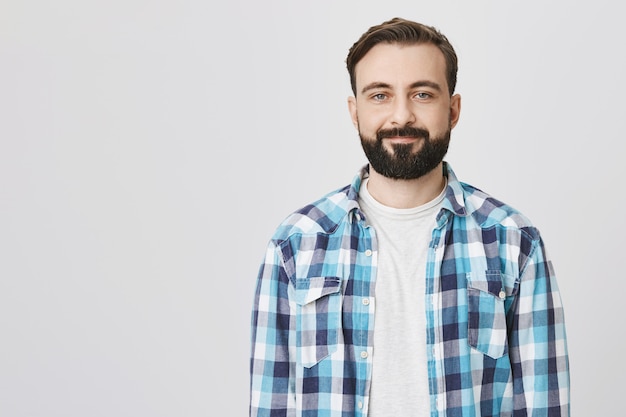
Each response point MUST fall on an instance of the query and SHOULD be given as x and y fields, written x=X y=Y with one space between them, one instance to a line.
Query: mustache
x=407 y=131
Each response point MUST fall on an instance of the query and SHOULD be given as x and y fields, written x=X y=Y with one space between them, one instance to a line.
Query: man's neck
x=406 y=193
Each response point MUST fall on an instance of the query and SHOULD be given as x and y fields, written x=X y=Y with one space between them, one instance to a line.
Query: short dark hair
x=405 y=32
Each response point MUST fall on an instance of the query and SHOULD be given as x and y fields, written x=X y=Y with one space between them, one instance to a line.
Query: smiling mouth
x=402 y=139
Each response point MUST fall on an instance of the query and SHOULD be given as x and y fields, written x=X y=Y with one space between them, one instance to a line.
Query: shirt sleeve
x=272 y=379
x=537 y=342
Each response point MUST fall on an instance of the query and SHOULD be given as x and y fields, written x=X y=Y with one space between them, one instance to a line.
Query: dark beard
x=403 y=163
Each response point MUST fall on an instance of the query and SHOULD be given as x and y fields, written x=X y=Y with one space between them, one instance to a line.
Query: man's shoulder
x=489 y=211
x=467 y=200
x=321 y=216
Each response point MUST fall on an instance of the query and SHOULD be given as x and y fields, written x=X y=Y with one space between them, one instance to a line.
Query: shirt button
x=502 y=295
x=364 y=354
x=366 y=301
x=360 y=404
x=368 y=253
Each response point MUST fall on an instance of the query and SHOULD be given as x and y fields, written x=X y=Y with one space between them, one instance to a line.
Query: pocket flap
x=312 y=288
x=493 y=282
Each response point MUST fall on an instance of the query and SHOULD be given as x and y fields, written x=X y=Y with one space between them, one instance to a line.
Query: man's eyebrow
x=426 y=83
x=374 y=85
x=422 y=83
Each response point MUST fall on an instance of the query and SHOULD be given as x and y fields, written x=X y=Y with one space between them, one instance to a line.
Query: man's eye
x=379 y=97
x=423 y=96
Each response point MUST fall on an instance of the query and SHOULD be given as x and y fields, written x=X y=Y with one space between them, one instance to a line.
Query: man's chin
x=404 y=149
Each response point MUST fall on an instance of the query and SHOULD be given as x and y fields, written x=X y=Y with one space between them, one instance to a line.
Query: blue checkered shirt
x=495 y=331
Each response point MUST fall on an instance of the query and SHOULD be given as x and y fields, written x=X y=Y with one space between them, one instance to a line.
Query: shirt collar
x=453 y=201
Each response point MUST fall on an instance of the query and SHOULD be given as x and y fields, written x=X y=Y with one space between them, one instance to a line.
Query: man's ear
x=352 y=110
x=455 y=110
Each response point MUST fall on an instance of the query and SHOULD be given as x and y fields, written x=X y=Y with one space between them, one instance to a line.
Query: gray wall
x=149 y=148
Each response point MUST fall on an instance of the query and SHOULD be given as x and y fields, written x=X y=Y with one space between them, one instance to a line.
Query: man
x=407 y=293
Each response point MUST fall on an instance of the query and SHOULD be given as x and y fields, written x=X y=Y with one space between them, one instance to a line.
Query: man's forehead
x=392 y=62
x=390 y=53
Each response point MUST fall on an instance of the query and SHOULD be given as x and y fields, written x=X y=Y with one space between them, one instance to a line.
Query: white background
x=148 y=149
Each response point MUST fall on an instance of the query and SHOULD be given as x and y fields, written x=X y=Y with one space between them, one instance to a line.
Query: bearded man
x=407 y=293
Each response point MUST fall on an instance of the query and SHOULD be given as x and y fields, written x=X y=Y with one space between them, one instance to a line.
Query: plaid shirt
x=495 y=330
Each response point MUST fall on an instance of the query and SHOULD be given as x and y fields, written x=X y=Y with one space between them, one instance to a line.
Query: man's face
x=402 y=109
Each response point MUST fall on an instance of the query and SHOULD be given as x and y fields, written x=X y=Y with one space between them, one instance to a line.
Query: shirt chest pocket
x=486 y=295
x=318 y=318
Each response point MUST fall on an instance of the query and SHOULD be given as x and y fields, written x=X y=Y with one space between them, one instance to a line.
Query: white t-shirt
x=400 y=376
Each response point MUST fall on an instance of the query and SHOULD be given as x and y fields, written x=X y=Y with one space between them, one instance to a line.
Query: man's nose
x=403 y=112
